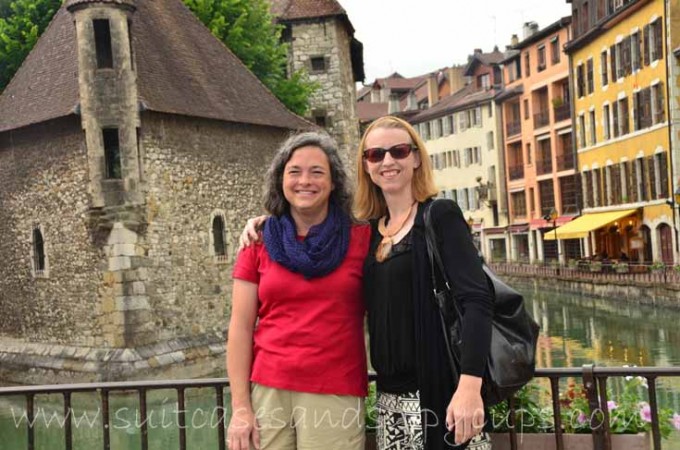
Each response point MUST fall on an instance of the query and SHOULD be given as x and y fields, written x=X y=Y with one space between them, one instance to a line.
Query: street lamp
x=552 y=217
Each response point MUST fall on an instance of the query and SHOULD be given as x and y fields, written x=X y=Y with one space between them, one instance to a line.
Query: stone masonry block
x=121 y=235
x=124 y=250
x=118 y=263
x=132 y=303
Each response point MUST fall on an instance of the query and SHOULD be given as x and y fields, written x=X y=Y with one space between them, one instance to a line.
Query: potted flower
x=620 y=267
x=657 y=266
x=596 y=266
x=630 y=420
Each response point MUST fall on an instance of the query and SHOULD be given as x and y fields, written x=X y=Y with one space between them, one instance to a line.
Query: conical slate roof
x=181 y=69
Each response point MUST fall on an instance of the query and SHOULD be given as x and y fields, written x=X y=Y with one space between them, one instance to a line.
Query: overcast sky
x=414 y=37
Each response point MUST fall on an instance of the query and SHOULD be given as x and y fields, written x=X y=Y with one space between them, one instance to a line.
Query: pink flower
x=676 y=421
x=582 y=418
x=611 y=404
x=646 y=413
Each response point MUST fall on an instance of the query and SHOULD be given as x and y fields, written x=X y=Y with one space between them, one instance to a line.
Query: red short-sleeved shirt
x=310 y=334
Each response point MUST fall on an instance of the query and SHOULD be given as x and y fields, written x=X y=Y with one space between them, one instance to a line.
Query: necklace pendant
x=384 y=250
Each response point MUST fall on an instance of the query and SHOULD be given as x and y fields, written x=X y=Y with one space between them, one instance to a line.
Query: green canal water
x=575 y=331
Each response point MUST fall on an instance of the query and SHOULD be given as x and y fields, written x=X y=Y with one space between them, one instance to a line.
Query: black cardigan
x=471 y=288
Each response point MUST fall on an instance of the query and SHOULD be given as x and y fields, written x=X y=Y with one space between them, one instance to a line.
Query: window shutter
x=612 y=58
x=636 y=111
x=626 y=56
x=646 y=45
x=660 y=104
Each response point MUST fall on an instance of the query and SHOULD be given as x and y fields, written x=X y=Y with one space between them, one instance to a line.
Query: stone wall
x=194 y=169
x=337 y=92
x=44 y=181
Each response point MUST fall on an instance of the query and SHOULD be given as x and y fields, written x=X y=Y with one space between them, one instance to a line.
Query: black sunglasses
x=377 y=154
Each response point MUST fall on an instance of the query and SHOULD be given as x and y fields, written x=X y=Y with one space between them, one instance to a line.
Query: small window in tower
x=287 y=33
x=112 y=153
x=318 y=64
x=219 y=242
x=102 y=40
x=39 y=266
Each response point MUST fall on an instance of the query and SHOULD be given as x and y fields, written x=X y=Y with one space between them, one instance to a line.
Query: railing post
x=591 y=392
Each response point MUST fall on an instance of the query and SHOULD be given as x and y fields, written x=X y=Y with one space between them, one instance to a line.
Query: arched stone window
x=219 y=242
x=39 y=260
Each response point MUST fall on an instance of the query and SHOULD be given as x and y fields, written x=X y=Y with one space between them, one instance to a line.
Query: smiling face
x=391 y=175
x=307 y=183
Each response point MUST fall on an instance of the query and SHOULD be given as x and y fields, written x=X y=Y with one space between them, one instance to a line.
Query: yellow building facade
x=621 y=115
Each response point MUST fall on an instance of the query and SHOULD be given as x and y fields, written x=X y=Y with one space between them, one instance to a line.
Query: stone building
x=321 y=41
x=132 y=146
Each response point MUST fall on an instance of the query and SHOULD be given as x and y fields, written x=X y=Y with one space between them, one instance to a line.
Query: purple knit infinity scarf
x=321 y=252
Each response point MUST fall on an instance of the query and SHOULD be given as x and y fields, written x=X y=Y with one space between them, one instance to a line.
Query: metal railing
x=562 y=112
x=516 y=172
x=544 y=166
x=565 y=161
x=541 y=119
x=644 y=274
x=513 y=128
x=594 y=385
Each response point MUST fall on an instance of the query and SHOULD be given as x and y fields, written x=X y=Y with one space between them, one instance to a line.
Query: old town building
x=132 y=145
x=541 y=178
x=322 y=43
x=621 y=110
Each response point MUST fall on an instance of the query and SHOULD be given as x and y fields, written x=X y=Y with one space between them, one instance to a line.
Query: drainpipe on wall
x=674 y=184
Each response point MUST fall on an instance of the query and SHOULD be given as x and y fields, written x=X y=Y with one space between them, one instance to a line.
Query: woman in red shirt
x=295 y=354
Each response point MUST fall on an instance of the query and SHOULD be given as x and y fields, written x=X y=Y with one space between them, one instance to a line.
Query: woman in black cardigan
x=420 y=404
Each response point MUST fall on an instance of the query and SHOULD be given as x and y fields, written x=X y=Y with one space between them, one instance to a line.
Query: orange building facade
x=541 y=175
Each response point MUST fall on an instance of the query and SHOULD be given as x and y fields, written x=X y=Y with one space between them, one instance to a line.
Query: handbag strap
x=436 y=263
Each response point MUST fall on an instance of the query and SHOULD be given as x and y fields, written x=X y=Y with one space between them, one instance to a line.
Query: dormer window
x=102 y=40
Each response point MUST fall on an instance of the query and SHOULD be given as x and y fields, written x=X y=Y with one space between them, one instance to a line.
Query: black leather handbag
x=512 y=357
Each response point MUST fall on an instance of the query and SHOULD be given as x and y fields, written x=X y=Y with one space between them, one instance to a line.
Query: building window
x=529 y=154
x=604 y=68
x=320 y=118
x=597 y=187
x=587 y=185
x=642 y=108
x=219 y=242
x=580 y=81
x=591 y=78
x=318 y=64
x=582 y=131
x=651 y=172
x=606 y=128
x=39 y=258
x=624 y=116
x=102 y=41
x=568 y=194
x=546 y=191
x=662 y=166
x=287 y=33
x=641 y=180
x=635 y=50
x=484 y=81
x=112 y=153
x=541 y=64
x=519 y=204
x=593 y=134
x=527 y=64
x=526 y=109
x=656 y=43
x=489 y=140
x=555 y=50
x=658 y=103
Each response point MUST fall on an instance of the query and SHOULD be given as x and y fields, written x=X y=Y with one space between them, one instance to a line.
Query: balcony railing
x=541 y=119
x=516 y=172
x=544 y=166
x=513 y=128
x=562 y=112
x=594 y=385
x=565 y=161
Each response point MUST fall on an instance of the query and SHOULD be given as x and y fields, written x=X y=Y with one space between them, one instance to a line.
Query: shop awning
x=580 y=227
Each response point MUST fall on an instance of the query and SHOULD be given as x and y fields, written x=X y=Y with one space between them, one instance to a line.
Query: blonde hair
x=369 y=202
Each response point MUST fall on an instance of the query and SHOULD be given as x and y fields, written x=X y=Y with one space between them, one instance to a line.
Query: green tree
x=245 y=26
x=21 y=23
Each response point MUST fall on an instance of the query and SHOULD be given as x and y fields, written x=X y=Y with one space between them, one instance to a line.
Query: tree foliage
x=21 y=23
x=245 y=26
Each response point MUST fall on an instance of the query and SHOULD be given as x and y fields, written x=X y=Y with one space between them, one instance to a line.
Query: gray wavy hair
x=275 y=202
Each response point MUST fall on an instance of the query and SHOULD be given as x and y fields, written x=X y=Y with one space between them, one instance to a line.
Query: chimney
x=529 y=29
x=432 y=90
x=478 y=51
x=514 y=40
x=456 y=79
